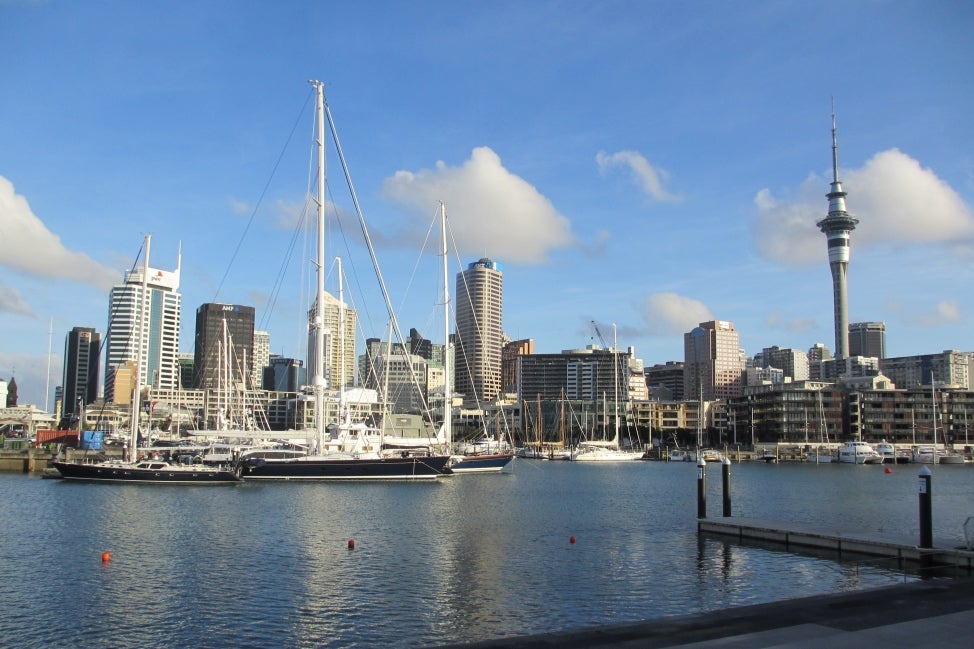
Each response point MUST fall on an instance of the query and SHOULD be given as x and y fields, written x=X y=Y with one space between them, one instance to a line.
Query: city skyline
x=635 y=163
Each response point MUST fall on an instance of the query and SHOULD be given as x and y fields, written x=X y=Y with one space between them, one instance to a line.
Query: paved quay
x=934 y=613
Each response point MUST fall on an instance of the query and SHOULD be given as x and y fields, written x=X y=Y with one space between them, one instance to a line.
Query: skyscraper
x=480 y=332
x=335 y=365
x=262 y=355
x=867 y=339
x=713 y=367
x=224 y=346
x=837 y=227
x=159 y=328
x=80 y=382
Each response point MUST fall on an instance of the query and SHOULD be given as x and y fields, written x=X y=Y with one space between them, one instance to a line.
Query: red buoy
x=351 y=544
x=106 y=557
x=889 y=470
x=571 y=539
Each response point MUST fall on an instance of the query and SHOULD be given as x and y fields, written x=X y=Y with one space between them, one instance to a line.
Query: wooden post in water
x=725 y=471
x=926 y=509
x=701 y=488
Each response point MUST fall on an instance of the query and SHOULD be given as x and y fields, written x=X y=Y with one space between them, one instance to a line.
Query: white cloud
x=669 y=313
x=12 y=302
x=490 y=209
x=648 y=178
x=238 y=206
x=895 y=199
x=946 y=312
x=27 y=246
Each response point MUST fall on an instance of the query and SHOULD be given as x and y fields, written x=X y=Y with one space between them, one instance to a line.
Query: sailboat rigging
x=133 y=468
x=354 y=454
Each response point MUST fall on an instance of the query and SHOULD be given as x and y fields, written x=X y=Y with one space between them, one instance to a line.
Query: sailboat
x=357 y=457
x=492 y=457
x=821 y=455
x=148 y=470
x=607 y=450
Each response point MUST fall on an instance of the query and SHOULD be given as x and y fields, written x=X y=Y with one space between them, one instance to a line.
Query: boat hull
x=486 y=463
x=384 y=468
x=129 y=473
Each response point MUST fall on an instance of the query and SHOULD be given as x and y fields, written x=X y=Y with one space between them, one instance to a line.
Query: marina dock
x=793 y=536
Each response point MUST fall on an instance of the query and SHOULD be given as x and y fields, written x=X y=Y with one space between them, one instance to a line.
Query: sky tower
x=837 y=226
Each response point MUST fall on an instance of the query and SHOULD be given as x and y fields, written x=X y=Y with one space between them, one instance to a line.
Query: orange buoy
x=351 y=544
x=106 y=557
x=571 y=539
x=889 y=470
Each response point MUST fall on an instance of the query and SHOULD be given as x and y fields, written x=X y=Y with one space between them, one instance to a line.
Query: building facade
x=340 y=325
x=224 y=349
x=479 y=331
x=82 y=348
x=713 y=366
x=867 y=339
x=153 y=319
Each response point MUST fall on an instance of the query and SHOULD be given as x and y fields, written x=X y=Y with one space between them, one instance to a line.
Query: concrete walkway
x=936 y=613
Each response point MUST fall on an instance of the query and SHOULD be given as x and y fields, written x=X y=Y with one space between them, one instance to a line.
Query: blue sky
x=649 y=164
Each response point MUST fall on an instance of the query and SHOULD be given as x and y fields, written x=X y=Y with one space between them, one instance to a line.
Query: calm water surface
x=463 y=559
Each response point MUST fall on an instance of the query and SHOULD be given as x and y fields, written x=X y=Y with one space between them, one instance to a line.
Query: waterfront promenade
x=933 y=613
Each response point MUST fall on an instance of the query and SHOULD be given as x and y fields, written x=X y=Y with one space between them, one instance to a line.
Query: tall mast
x=137 y=383
x=319 y=322
x=447 y=395
x=615 y=381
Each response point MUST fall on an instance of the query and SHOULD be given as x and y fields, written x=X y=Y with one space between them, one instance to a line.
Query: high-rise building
x=509 y=355
x=479 y=330
x=713 y=366
x=950 y=367
x=867 y=339
x=335 y=365
x=792 y=362
x=81 y=355
x=837 y=227
x=666 y=379
x=224 y=346
x=262 y=355
x=154 y=318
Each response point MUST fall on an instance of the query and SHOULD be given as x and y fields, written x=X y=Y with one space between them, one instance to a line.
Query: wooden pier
x=803 y=535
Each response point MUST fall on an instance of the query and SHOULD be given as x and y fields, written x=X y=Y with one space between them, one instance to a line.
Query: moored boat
x=857 y=452
x=148 y=472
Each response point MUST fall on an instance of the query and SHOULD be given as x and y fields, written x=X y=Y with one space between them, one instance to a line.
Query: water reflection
x=464 y=559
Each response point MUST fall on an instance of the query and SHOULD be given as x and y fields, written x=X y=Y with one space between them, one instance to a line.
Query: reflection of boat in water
x=855 y=452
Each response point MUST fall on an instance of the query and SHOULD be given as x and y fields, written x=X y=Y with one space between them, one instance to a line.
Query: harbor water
x=547 y=546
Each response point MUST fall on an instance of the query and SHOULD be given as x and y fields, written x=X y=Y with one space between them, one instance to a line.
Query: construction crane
x=599 y=334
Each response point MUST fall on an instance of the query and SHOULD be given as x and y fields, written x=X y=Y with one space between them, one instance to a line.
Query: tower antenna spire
x=835 y=148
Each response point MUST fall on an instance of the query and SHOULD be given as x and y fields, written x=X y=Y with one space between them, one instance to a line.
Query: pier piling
x=926 y=509
x=701 y=488
x=725 y=472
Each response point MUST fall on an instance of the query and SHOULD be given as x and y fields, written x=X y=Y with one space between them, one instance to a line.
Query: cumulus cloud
x=489 y=208
x=894 y=198
x=946 y=312
x=648 y=178
x=12 y=302
x=28 y=247
x=669 y=313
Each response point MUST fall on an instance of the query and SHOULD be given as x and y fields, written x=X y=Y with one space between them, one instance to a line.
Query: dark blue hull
x=160 y=473
x=386 y=468
x=491 y=463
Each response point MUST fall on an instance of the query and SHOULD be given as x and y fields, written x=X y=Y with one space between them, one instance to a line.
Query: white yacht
x=859 y=453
